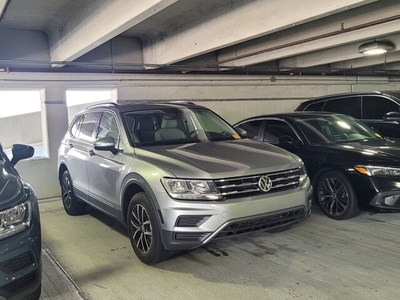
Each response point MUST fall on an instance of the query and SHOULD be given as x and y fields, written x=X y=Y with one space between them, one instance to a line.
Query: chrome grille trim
x=233 y=187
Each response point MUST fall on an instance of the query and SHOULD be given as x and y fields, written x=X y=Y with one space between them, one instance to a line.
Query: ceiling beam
x=346 y=52
x=107 y=19
x=242 y=21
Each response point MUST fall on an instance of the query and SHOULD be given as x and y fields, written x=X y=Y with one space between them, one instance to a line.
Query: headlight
x=191 y=189
x=377 y=171
x=17 y=218
x=303 y=174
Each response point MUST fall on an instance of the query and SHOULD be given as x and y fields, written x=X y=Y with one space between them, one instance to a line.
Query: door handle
x=91 y=153
x=70 y=145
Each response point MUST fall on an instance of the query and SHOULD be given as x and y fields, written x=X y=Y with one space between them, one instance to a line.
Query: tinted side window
x=88 y=126
x=252 y=128
x=275 y=129
x=375 y=107
x=349 y=106
x=315 y=107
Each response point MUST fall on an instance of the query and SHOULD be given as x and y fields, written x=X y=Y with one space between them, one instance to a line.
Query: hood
x=11 y=186
x=221 y=159
x=383 y=155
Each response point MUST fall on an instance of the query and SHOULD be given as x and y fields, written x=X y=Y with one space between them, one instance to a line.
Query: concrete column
x=41 y=172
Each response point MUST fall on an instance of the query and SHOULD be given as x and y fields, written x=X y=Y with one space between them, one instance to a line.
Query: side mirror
x=287 y=142
x=392 y=116
x=106 y=144
x=21 y=151
x=241 y=131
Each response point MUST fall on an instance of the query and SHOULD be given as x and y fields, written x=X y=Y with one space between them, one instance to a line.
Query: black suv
x=380 y=110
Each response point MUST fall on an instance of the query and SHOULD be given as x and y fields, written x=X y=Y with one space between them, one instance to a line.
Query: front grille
x=246 y=186
x=264 y=222
x=17 y=263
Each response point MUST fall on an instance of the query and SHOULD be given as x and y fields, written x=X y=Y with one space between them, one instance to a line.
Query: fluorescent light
x=374 y=48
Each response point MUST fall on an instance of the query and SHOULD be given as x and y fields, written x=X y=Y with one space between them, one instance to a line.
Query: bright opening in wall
x=77 y=97
x=21 y=120
x=78 y=100
x=19 y=102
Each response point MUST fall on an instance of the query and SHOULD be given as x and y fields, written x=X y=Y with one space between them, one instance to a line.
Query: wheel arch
x=326 y=168
x=133 y=184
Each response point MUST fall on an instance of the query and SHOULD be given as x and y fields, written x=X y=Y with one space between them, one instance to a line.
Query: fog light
x=391 y=200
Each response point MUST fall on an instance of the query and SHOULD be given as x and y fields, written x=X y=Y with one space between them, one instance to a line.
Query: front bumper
x=21 y=261
x=187 y=225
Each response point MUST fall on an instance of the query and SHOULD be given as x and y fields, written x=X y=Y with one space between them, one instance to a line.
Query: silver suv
x=177 y=175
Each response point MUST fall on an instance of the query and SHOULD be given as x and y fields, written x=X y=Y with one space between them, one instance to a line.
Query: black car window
x=88 y=126
x=374 y=107
x=108 y=127
x=252 y=128
x=348 y=105
x=315 y=106
x=276 y=129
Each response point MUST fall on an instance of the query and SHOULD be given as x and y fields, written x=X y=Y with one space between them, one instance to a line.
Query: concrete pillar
x=41 y=172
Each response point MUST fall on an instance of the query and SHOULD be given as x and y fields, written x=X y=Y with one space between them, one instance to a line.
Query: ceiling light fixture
x=373 y=48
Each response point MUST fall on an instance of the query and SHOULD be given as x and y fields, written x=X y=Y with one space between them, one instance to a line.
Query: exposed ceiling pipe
x=310 y=39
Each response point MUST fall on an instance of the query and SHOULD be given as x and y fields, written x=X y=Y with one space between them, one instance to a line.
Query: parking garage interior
x=238 y=58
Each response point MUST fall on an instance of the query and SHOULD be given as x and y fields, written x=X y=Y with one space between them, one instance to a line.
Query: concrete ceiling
x=202 y=36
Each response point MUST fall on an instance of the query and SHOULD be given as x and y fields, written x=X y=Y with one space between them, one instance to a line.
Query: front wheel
x=72 y=206
x=144 y=231
x=336 y=196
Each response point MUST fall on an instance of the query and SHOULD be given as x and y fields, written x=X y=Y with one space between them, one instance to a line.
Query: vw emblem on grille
x=265 y=183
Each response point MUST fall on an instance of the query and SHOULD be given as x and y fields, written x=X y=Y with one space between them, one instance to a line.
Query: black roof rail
x=104 y=104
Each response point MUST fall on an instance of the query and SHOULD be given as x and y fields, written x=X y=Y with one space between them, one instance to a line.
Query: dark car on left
x=20 y=232
x=350 y=165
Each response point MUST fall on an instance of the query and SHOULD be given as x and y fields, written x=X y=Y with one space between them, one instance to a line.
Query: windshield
x=336 y=129
x=176 y=126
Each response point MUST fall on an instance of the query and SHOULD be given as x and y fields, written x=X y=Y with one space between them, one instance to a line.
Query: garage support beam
x=110 y=18
x=239 y=23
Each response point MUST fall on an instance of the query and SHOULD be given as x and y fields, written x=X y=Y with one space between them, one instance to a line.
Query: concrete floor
x=90 y=257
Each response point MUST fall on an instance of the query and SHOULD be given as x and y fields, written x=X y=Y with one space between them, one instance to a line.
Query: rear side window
x=375 y=107
x=251 y=128
x=275 y=129
x=88 y=126
x=349 y=106
x=315 y=106
x=76 y=126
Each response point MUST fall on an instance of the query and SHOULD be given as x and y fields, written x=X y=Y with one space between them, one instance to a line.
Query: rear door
x=81 y=142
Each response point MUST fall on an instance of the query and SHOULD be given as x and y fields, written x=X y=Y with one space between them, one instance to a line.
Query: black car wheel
x=336 y=196
x=35 y=295
x=72 y=206
x=144 y=231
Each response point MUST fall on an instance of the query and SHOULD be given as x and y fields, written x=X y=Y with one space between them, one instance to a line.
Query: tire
x=71 y=204
x=144 y=231
x=336 y=196
x=35 y=295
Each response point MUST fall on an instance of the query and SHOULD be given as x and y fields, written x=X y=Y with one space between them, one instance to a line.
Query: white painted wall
x=233 y=97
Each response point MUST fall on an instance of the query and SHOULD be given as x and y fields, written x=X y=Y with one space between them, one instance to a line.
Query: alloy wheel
x=67 y=191
x=333 y=196
x=141 y=228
